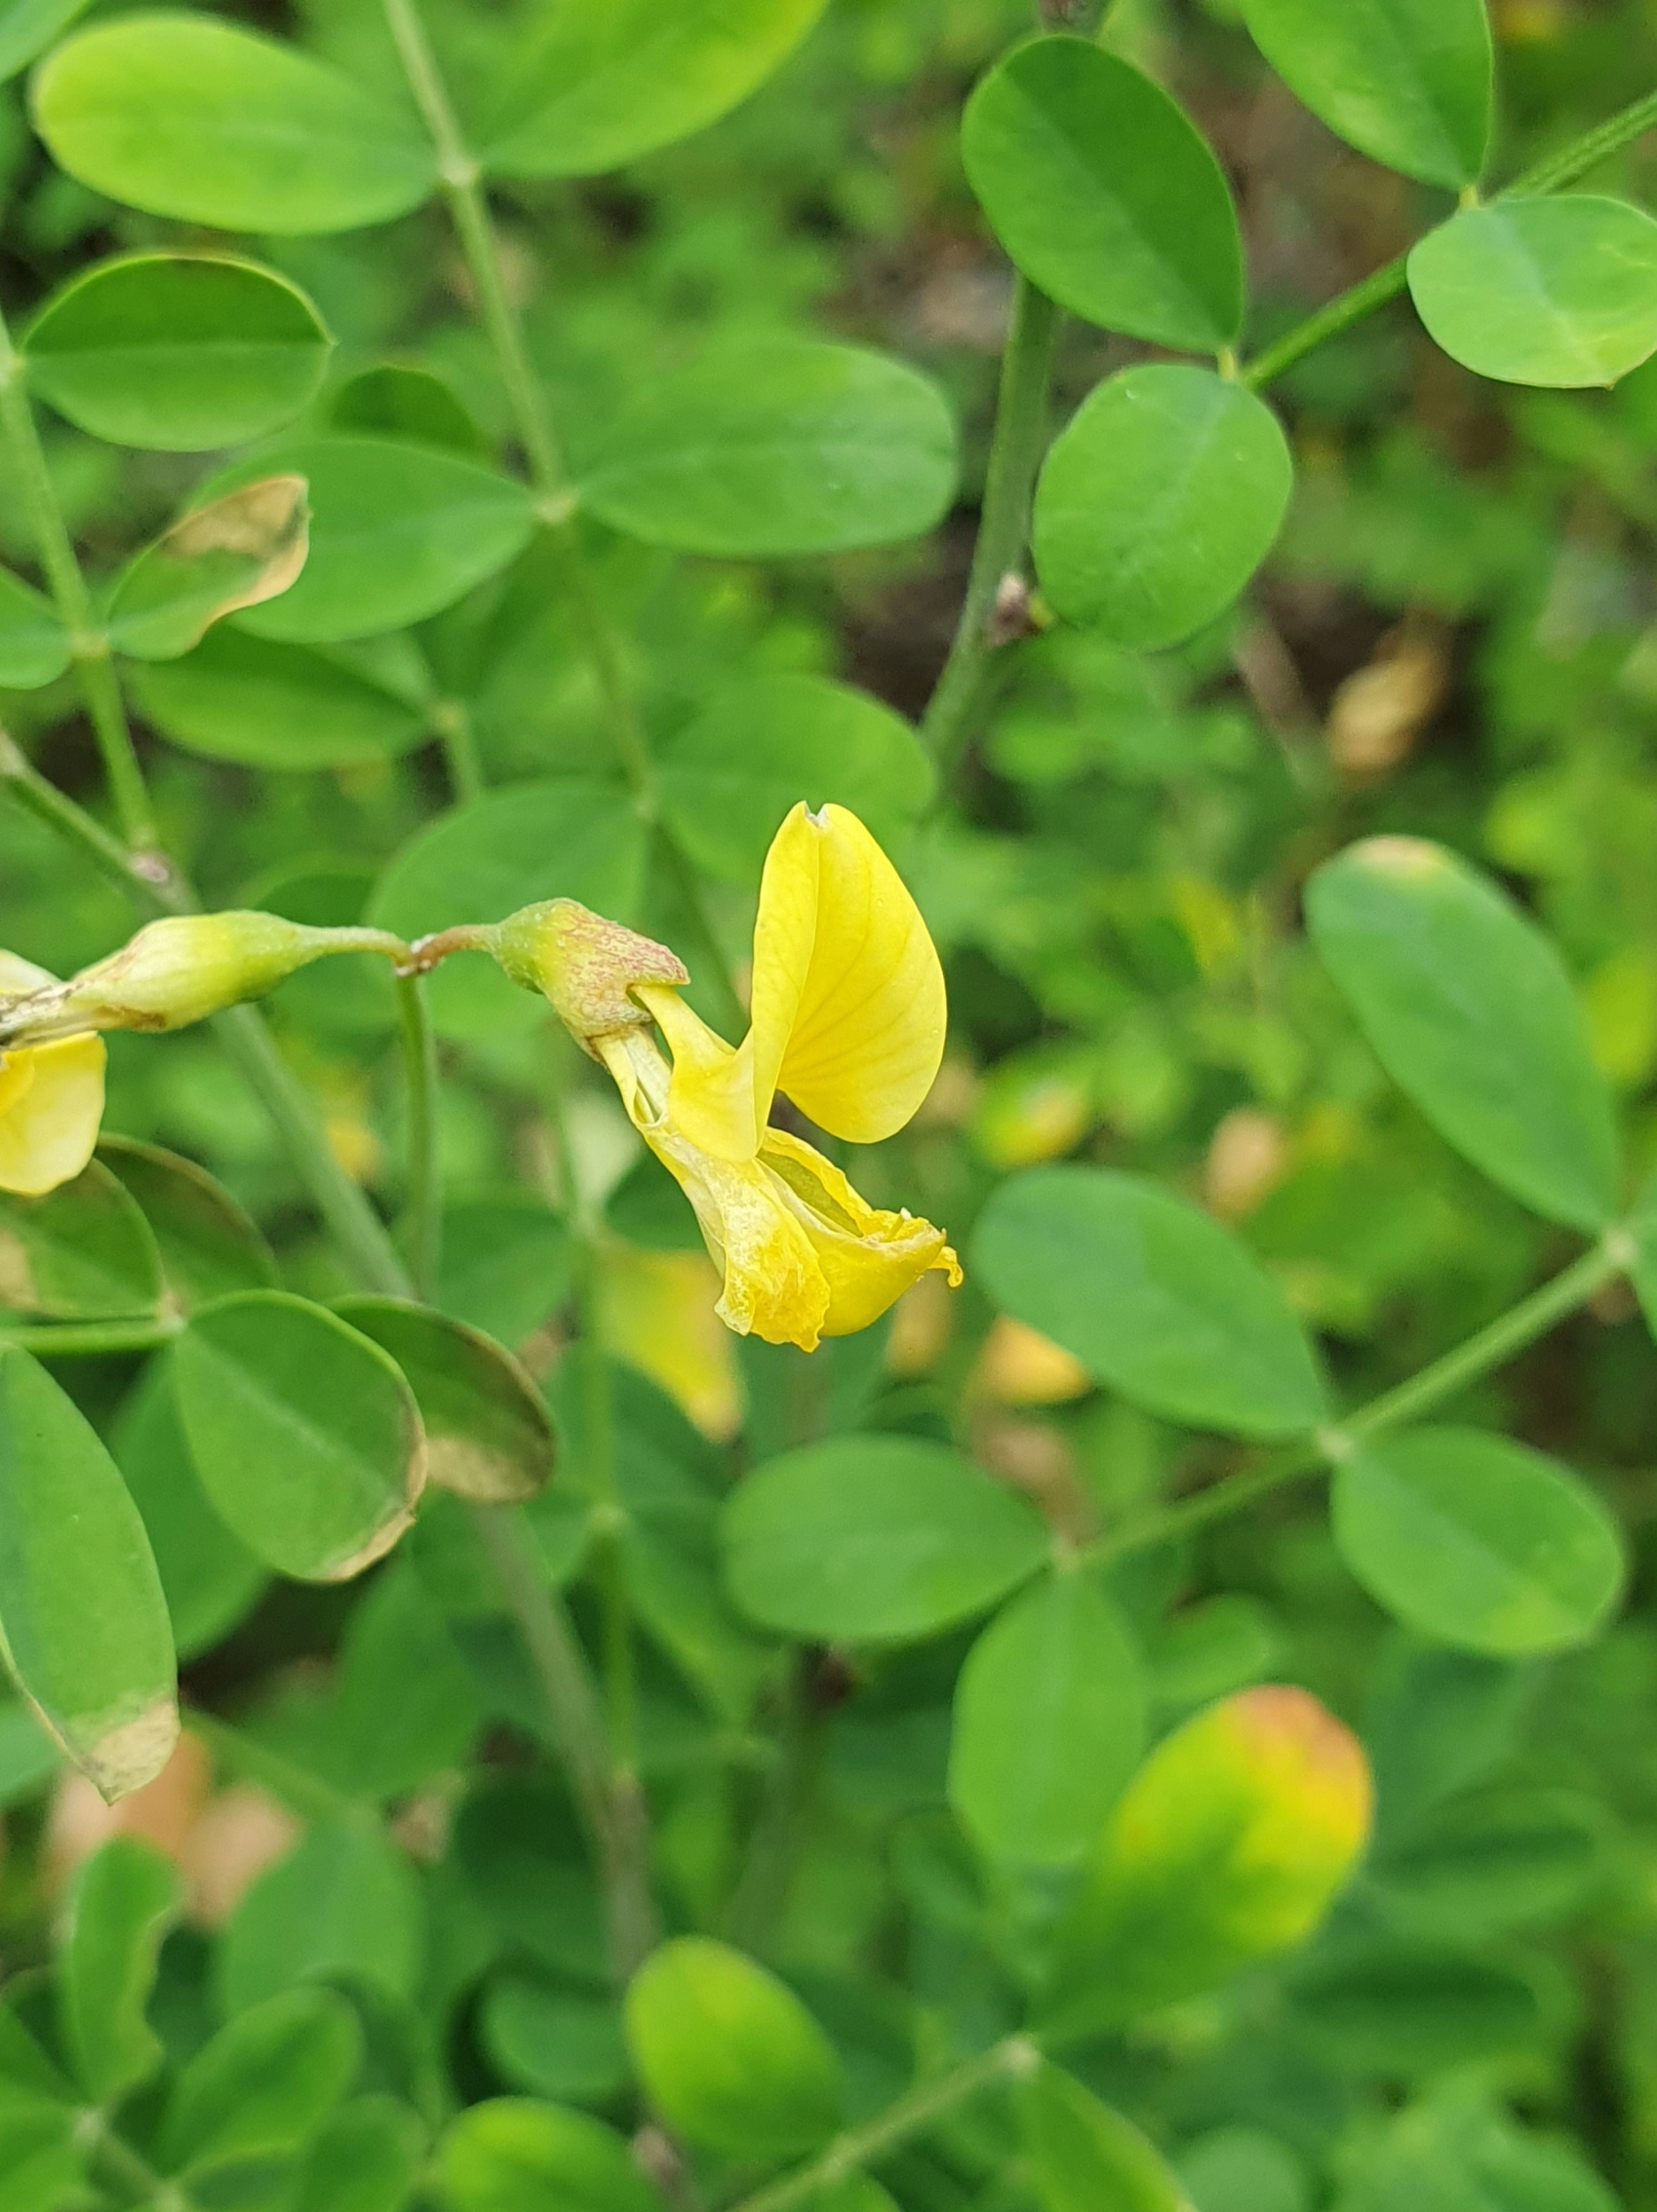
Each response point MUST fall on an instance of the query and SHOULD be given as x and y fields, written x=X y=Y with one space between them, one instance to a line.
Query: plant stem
x=88 y=1340
x=361 y=1234
x=1010 y=2061
x=123 y=2165
x=1374 y=291
x=566 y=1685
x=86 y=642
x=422 y=1219
x=1488 y=1348
x=1016 y=448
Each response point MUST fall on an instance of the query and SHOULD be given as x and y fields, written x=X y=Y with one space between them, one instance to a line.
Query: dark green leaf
x=367 y=2158
x=778 y=448
x=264 y=2083
x=1106 y=195
x=559 y=2042
x=178 y=352
x=1477 y=1541
x=305 y=1436
x=867 y=1538
x=507 y=1263
x=1469 y=1009
x=82 y=1614
x=488 y=1436
x=408 y=404
x=209 y=1246
x=187 y=116
x=1393 y=2006
x=1152 y=1296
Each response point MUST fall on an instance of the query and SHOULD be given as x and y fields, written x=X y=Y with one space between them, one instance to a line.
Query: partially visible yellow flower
x=655 y=1309
x=849 y=1019
x=50 y=1099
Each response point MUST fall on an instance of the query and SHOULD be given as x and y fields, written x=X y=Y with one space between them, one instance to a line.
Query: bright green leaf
x=397 y=531
x=1405 y=81
x=187 y=116
x=1153 y=1297
x=1557 y=292
x=82 y=1615
x=776 y=448
x=508 y=2154
x=27 y=27
x=1084 y=2156
x=177 y=352
x=343 y=1905
x=596 y=88
x=83 y=1253
x=754 y=752
x=34 y=646
x=729 y=2056
x=305 y=1436
x=1471 y=1011
x=1228 y=1846
x=264 y=2083
x=1158 y=503
x=874 y=1538
x=1049 y=1723
x=1106 y=195
x=1477 y=1541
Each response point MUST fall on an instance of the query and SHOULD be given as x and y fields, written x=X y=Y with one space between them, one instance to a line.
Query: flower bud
x=180 y=971
x=586 y=965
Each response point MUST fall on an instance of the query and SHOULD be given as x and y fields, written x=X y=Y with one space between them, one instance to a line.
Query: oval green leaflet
x=874 y=1538
x=1469 y=1009
x=82 y=1615
x=179 y=352
x=1559 y=291
x=1158 y=502
x=1405 y=81
x=1153 y=1297
x=305 y=1436
x=187 y=116
x=1106 y=195
x=1477 y=1541
x=728 y=2055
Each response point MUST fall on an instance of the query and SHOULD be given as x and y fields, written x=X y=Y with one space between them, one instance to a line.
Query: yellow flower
x=849 y=1018
x=50 y=1099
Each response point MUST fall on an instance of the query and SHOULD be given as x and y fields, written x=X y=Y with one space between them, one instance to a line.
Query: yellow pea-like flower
x=51 y=1098
x=849 y=1019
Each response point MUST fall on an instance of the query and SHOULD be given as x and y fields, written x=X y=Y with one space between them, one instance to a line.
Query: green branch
x=1387 y=282
x=1013 y=2060
x=90 y=647
x=422 y=1218
x=1489 y=1348
x=1019 y=442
